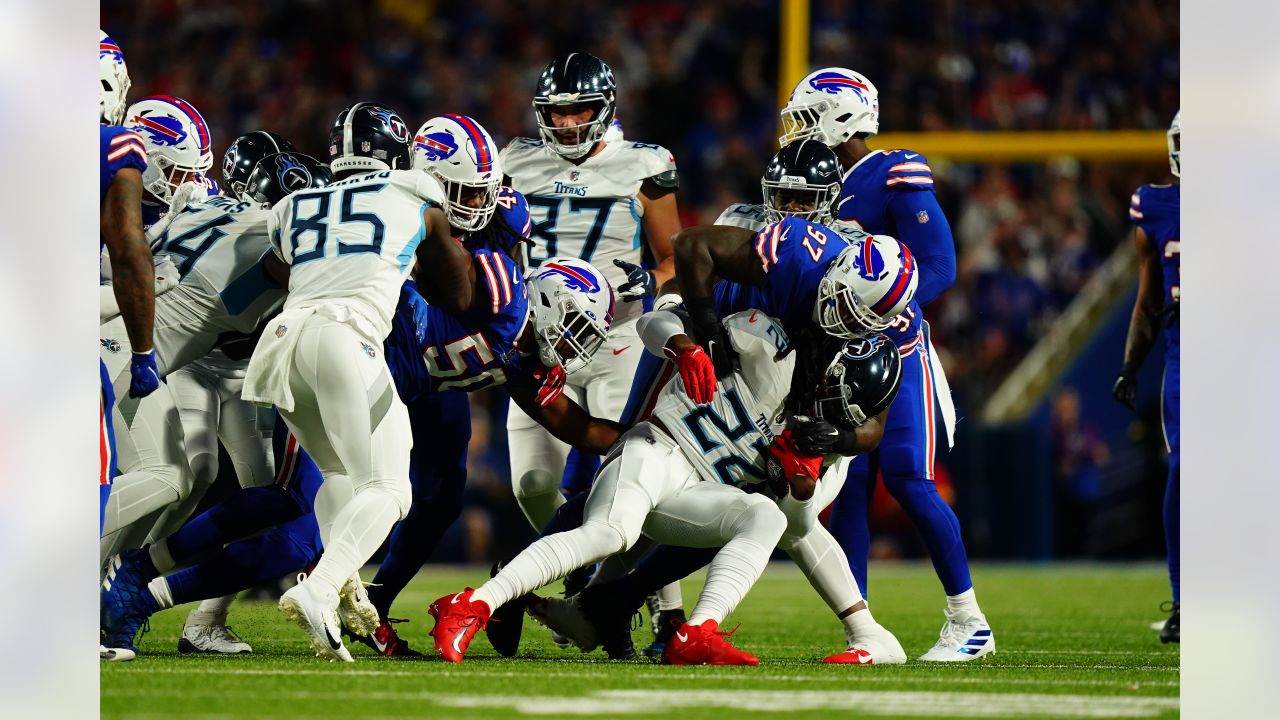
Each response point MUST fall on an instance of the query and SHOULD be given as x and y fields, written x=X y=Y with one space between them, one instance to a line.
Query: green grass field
x=1073 y=642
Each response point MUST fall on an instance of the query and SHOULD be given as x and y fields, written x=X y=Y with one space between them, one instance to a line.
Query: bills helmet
x=1174 y=137
x=280 y=174
x=177 y=140
x=239 y=160
x=568 y=80
x=115 y=81
x=831 y=105
x=859 y=382
x=866 y=287
x=461 y=154
x=368 y=137
x=807 y=172
x=572 y=311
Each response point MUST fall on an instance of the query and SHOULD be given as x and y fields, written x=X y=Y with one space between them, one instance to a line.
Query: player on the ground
x=675 y=477
x=1154 y=210
x=890 y=192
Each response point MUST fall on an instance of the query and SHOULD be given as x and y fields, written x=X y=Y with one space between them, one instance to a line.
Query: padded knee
x=535 y=483
x=398 y=489
x=602 y=539
x=760 y=519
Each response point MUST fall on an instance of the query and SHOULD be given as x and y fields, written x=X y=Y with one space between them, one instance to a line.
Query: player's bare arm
x=568 y=422
x=661 y=222
x=445 y=275
x=1144 y=323
x=133 y=272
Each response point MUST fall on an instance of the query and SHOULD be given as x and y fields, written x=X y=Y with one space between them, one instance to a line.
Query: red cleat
x=852 y=656
x=387 y=643
x=704 y=644
x=457 y=620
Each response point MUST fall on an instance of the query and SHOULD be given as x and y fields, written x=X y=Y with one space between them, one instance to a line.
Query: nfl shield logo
x=365 y=145
x=281 y=330
x=573 y=176
x=922 y=217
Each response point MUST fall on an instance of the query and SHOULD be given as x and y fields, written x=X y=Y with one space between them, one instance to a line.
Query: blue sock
x=848 y=521
x=244 y=513
x=242 y=565
x=579 y=472
x=937 y=524
x=1172 y=534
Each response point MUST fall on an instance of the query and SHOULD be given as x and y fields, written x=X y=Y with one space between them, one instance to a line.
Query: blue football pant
x=1170 y=415
x=106 y=445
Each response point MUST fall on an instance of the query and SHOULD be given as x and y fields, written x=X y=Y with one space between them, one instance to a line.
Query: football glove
x=144 y=376
x=640 y=282
x=1126 y=389
x=697 y=372
x=820 y=437
x=417 y=306
x=709 y=332
x=785 y=461
x=552 y=386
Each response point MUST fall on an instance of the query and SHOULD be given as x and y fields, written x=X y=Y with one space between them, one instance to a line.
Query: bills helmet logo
x=108 y=48
x=399 y=131
x=869 y=263
x=160 y=129
x=573 y=278
x=834 y=83
x=436 y=146
x=291 y=174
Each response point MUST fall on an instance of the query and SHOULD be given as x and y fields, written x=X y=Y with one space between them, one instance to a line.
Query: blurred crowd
x=700 y=79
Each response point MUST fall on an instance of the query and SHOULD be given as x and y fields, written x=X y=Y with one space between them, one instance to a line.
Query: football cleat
x=124 y=576
x=877 y=647
x=317 y=616
x=507 y=622
x=612 y=619
x=125 y=606
x=704 y=644
x=458 y=618
x=386 y=642
x=117 y=654
x=1170 y=632
x=208 y=633
x=357 y=614
x=963 y=638
x=668 y=622
x=564 y=618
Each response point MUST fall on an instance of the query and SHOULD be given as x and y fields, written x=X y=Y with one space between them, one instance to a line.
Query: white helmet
x=572 y=311
x=177 y=140
x=866 y=287
x=831 y=105
x=115 y=80
x=461 y=154
x=1174 y=136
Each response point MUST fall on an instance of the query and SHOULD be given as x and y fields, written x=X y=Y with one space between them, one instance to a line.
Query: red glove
x=792 y=461
x=697 y=372
x=552 y=384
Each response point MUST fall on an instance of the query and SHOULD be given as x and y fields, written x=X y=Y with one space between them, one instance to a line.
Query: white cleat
x=875 y=647
x=963 y=638
x=115 y=654
x=208 y=633
x=569 y=627
x=317 y=617
x=354 y=609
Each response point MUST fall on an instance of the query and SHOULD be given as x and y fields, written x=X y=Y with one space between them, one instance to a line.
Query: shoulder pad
x=743 y=215
x=669 y=180
x=907 y=170
x=753 y=330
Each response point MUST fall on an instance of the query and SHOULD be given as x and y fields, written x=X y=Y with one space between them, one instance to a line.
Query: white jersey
x=352 y=243
x=590 y=210
x=727 y=440
x=752 y=217
x=218 y=246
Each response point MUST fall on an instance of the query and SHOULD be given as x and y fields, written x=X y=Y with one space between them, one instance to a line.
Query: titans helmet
x=568 y=80
x=278 y=175
x=859 y=382
x=244 y=154
x=805 y=171
x=369 y=137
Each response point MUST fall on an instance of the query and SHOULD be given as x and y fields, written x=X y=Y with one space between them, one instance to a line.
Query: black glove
x=709 y=332
x=640 y=282
x=1126 y=389
x=820 y=437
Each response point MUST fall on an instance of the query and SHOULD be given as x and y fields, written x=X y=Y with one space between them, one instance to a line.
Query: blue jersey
x=795 y=254
x=121 y=148
x=1154 y=208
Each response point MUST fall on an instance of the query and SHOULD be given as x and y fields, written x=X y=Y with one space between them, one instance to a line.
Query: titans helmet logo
x=291 y=174
x=399 y=131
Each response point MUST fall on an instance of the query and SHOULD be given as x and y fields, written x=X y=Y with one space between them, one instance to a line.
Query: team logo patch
x=111 y=344
x=574 y=175
x=436 y=146
x=229 y=162
x=922 y=217
x=281 y=330
x=833 y=83
x=869 y=263
x=108 y=48
x=160 y=130
x=863 y=347
x=368 y=349
x=291 y=174
x=398 y=129
x=571 y=277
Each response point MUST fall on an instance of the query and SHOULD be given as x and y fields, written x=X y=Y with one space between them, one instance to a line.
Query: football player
x=1154 y=210
x=891 y=192
x=179 y=150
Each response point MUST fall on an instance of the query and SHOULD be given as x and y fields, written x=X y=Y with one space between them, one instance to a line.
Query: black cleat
x=1170 y=633
x=668 y=622
x=612 y=618
x=506 y=622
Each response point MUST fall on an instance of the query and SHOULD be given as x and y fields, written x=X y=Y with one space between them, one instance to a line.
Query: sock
x=669 y=597
x=218 y=606
x=732 y=573
x=824 y=565
x=415 y=537
x=668 y=564
x=160 y=557
x=160 y=593
x=965 y=603
x=548 y=559
x=938 y=526
x=335 y=493
x=857 y=624
x=358 y=531
x=848 y=520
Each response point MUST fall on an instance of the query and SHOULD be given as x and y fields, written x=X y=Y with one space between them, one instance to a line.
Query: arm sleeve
x=656 y=328
x=924 y=229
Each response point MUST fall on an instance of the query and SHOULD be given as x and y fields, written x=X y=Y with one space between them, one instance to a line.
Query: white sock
x=161 y=557
x=358 y=531
x=731 y=574
x=335 y=494
x=826 y=566
x=160 y=591
x=549 y=559
x=966 y=603
x=218 y=606
x=856 y=625
x=669 y=597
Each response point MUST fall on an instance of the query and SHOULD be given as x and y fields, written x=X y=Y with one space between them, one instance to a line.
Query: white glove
x=166 y=274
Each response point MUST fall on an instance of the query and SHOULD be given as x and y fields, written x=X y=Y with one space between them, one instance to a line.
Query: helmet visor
x=791 y=199
x=798 y=123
